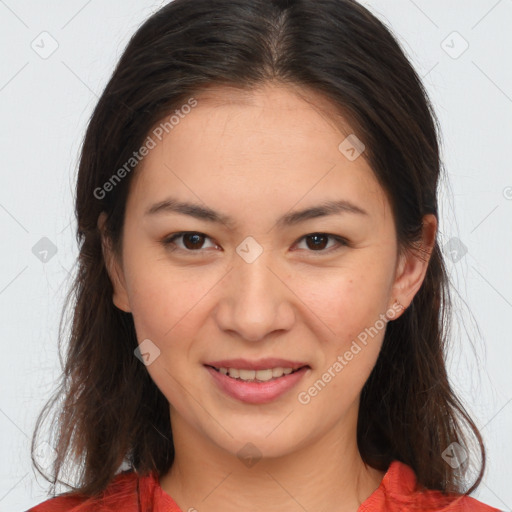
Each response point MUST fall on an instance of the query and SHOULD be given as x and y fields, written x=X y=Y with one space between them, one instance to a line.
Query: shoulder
x=398 y=491
x=121 y=494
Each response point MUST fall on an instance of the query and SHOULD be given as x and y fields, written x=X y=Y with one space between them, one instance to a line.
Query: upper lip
x=260 y=364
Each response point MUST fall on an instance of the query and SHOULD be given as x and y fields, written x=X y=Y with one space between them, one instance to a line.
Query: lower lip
x=256 y=392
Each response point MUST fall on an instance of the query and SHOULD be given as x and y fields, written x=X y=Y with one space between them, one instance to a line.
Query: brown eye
x=319 y=242
x=191 y=241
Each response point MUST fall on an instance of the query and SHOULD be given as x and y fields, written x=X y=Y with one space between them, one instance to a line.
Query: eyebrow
x=171 y=205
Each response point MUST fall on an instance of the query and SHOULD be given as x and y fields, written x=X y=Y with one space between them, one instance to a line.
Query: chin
x=259 y=441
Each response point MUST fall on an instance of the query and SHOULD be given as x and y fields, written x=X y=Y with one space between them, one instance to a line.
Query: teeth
x=277 y=372
x=264 y=375
x=245 y=374
x=261 y=375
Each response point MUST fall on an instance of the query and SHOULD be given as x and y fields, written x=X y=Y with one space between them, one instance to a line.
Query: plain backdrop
x=56 y=59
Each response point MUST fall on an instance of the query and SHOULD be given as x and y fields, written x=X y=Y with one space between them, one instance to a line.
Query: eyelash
x=168 y=242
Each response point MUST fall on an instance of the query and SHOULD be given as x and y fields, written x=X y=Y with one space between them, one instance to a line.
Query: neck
x=327 y=474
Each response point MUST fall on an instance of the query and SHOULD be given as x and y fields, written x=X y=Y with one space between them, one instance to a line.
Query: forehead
x=279 y=103
x=275 y=142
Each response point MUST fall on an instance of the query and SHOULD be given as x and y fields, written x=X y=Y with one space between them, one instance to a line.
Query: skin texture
x=256 y=156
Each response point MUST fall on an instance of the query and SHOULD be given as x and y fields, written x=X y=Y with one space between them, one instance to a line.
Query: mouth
x=256 y=386
x=264 y=375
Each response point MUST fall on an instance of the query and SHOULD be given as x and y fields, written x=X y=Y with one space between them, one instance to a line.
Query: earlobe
x=413 y=264
x=114 y=270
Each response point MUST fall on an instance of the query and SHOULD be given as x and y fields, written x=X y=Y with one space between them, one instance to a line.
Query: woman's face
x=268 y=277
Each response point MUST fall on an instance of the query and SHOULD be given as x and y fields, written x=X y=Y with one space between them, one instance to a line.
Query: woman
x=261 y=302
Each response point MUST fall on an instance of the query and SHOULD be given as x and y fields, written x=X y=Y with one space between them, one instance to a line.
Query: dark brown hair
x=111 y=412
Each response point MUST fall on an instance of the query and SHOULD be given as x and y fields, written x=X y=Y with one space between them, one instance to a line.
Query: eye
x=317 y=242
x=192 y=241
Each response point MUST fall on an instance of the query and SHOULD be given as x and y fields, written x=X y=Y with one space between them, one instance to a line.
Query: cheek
x=151 y=306
x=351 y=305
x=347 y=300
x=153 y=293
x=168 y=303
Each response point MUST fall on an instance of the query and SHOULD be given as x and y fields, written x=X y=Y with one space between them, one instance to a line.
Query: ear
x=114 y=268
x=413 y=264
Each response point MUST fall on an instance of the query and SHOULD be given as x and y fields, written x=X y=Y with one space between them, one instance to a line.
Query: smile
x=255 y=375
x=256 y=386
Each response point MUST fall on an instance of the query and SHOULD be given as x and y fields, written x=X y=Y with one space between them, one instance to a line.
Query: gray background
x=45 y=102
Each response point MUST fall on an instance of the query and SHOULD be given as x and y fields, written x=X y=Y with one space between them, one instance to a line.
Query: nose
x=255 y=300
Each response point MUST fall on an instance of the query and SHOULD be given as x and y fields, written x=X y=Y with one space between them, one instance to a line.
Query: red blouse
x=396 y=493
